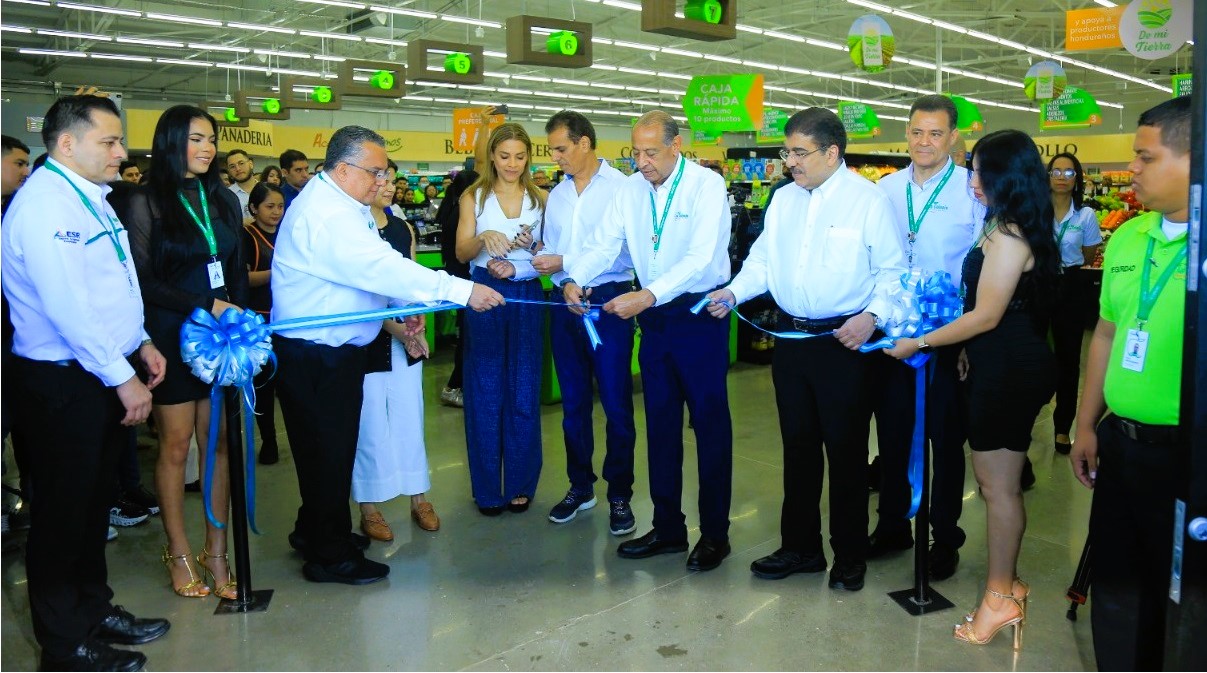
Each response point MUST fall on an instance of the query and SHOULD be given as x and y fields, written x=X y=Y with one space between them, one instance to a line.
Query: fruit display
x=873 y=172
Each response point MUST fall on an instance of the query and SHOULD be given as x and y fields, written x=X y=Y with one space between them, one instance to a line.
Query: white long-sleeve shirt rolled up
x=329 y=259
x=570 y=218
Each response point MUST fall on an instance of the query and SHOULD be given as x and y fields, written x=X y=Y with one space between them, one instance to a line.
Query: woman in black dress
x=184 y=229
x=1010 y=282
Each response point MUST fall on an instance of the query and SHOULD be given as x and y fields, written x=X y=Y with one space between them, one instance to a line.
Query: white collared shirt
x=693 y=254
x=70 y=296
x=244 y=197
x=492 y=218
x=828 y=252
x=1082 y=231
x=329 y=259
x=950 y=227
x=570 y=217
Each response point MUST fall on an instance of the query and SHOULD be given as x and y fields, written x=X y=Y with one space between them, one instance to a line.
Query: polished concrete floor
x=520 y=593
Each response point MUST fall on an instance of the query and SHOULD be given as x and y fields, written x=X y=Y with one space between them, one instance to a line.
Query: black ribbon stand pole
x=246 y=599
x=921 y=599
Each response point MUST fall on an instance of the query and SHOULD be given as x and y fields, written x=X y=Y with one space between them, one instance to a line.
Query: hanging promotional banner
x=968 y=116
x=859 y=120
x=1181 y=84
x=1151 y=29
x=871 y=43
x=1074 y=109
x=719 y=103
x=1044 y=81
x=1093 y=28
x=773 y=127
x=465 y=127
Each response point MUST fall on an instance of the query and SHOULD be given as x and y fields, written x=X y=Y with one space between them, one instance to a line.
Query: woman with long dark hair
x=271 y=175
x=266 y=205
x=1010 y=279
x=501 y=214
x=1078 y=236
x=184 y=229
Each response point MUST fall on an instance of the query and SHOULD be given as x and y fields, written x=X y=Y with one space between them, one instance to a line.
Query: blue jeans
x=610 y=364
x=502 y=393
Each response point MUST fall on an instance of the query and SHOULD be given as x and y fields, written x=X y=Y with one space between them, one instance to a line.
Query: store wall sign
x=871 y=43
x=1044 y=81
x=1074 y=109
x=859 y=120
x=1152 y=29
x=719 y=103
x=1093 y=28
x=1182 y=84
x=774 y=121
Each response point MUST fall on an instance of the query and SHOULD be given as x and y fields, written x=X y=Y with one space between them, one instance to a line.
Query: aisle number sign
x=969 y=115
x=465 y=127
x=773 y=127
x=719 y=103
x=859 y=120
x=1074 y=109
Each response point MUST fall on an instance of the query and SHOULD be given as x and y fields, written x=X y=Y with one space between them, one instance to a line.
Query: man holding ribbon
x=574 y=210
x=1134 y=373
x=937 y=220
x=830 y=255
x=330 y=260
x=76 y=307
x=673 y=217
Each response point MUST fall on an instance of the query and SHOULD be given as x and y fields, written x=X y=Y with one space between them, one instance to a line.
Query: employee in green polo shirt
x=1134 y=375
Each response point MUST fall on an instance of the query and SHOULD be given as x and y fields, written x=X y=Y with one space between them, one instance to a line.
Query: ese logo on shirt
x=67 y=236
x=682 y=216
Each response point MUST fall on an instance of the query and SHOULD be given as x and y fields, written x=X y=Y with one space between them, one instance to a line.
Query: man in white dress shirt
x=937 y=220
x=329 y=259
x=575 y=208
x=673 y=217
x=78 y=317
x=829 y=254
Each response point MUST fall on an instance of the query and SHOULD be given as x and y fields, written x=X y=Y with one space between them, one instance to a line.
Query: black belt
x=810 y=325
x=1145 y=433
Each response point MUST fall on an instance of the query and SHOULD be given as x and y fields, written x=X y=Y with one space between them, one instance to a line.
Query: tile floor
x=520 y=593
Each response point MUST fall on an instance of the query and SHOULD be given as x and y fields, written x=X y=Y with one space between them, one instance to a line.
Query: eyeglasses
x=798 y=154
x=380 y=174
x=1066 y=173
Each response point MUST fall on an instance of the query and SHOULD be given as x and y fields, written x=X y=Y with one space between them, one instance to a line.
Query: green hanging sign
x=708 y=11
x=719 y=103
x=563 y=43
x=382 y=79
x=321 y=94
x=271 y=106
x=773 y=127
x=968 y=115
x=1045 y=80
x=1074 y=109
x=1181 y=84
x=871 y=43
x=458 y=62
x=859 y=120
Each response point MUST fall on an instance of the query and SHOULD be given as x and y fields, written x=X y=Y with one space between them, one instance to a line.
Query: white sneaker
x=112 y=534
x=452 y=397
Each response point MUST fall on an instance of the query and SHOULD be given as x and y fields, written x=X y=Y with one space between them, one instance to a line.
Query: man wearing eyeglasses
x=329 y=259
x=242 y=171
x=937 y=220
x=829 y=254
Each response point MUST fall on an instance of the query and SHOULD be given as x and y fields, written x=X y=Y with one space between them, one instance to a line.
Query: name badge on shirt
x=214 y=269
x=655 y=267
x=1134 y=349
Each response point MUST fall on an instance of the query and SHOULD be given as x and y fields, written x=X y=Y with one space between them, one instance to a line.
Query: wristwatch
x=568 y=279
x=924 y=347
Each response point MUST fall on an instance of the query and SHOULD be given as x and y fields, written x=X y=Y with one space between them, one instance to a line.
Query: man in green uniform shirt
x=1134 y=372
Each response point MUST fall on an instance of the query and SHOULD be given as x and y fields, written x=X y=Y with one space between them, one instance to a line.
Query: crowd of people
x=99 y=277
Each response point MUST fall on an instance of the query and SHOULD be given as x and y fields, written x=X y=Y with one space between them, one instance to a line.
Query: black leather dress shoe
x=650 y=545
x=884 y=542
x=707 y=554
x=355 y=571
x=943 y=561
x=123 y=628
x=96 y=656
x=298 y=542
x=783 y=563
x=847 y=575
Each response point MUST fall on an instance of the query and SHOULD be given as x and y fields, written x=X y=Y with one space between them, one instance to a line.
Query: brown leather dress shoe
x=374 y=525
x=425 y=516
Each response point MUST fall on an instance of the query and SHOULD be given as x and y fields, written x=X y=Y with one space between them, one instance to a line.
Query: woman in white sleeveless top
x=500 y=227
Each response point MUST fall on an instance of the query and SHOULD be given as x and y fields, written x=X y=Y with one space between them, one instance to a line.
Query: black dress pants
x=946 y=430
x=1068 y=333
x=74 y=471
x=321 y=389
x=824 y=395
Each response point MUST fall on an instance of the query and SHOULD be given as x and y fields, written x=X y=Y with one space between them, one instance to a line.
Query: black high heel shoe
x=519 y=507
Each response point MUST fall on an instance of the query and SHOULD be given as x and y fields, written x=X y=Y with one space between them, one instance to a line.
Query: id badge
x=214 y=269
x=1134 y=349
x=655 y=267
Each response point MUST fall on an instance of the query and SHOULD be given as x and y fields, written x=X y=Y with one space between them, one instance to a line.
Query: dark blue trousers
x=684 y=358
x=610 y=365
x=502 y=394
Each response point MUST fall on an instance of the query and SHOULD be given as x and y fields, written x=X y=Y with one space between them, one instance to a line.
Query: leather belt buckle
x=800 y=325
x=1130 y=429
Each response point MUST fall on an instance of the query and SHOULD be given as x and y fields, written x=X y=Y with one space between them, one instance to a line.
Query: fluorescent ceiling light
x=36 y=3
x=404 y=12
x=621 y=4
x=330 y=36
x=52 y=52
x=15 y=29
x=103 y=10
x=150 y=43
x=749 y=29
x=219 y=47
x=122 y=57
x=336 y=3
x=382 y=40
x=494 y=54
x=180 y=61
x=280 y=54
x=268 y=29
x=324 y=57
x=183 y=19
x=1105 y=3
x=74 y=35
x=682 y=52
x=472 y=22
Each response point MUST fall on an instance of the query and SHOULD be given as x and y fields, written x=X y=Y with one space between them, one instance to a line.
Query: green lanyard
x=110 y=228
x=1148 y=295
x=660 y=224
x=206 y=228
x=915 y=224
x=1064 y=226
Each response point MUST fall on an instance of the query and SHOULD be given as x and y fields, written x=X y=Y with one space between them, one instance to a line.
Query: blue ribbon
x=778 y=335
x=589 y=318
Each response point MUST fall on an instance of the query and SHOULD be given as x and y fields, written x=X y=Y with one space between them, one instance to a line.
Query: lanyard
x=1148 y=295
x=660 y=224
x=207 y=229
x=1064 y=226
x=110 y=228
x=915 y=224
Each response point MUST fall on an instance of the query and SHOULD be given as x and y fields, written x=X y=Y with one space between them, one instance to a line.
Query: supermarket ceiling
x=194 y=50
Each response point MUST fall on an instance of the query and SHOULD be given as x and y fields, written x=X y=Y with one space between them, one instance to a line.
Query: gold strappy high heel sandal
x=965 y=632
x=228 y=590
x=186 y=590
